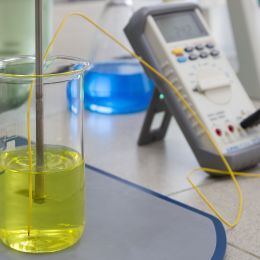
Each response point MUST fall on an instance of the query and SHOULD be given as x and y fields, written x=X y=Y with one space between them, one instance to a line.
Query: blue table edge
x=221 y=239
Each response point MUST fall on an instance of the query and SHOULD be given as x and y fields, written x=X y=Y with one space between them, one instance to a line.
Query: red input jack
x=218 y=132
x=231 y=129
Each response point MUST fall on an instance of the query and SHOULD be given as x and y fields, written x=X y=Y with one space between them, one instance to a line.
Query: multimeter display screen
x=180 y=26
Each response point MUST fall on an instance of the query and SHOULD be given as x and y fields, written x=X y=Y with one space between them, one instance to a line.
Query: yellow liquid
x=57 y=218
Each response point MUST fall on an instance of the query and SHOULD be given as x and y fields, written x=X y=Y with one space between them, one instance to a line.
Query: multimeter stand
x=157 y=105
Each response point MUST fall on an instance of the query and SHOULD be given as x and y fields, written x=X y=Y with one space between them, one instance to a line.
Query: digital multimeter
x=175 y=39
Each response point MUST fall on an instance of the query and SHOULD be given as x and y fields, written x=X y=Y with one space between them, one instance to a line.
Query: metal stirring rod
x=39 y=178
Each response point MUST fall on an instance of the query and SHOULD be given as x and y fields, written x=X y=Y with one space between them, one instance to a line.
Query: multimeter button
x=182 y=59
x=193 y=57
x=204 y=55
x=200 y=47
x=178 y=51
x=189 y=49
x=214 y=53
x=210 y=45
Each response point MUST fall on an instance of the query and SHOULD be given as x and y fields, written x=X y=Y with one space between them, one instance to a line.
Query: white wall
x=77 y=37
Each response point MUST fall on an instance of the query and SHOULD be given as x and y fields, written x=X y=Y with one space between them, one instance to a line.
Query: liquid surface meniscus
x=58 y=217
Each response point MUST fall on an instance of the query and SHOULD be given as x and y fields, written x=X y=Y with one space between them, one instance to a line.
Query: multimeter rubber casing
x=175 y=39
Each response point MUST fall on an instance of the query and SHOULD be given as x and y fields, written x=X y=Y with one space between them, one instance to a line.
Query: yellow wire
x=221 y=172
x=229 y=171
x=29 y=148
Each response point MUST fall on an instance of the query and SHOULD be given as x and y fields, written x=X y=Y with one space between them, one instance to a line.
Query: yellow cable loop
x=229 y=171
x=185 y=103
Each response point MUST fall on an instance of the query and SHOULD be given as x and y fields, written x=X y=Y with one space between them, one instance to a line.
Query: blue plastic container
x=116 y=87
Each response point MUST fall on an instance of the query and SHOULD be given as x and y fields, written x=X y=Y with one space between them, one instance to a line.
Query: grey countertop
x=111 y=145
x=126 y=222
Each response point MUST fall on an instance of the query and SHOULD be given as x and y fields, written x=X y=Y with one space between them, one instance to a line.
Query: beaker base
x=41 y=241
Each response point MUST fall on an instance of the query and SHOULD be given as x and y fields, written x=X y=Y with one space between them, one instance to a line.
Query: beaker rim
x=71 y=67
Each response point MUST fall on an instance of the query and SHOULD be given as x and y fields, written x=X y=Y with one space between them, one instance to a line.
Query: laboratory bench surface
x=127 y=221
x=111 y=145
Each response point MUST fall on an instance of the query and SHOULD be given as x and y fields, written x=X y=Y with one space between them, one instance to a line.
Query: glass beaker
x=117 y=83
x=41 y=208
